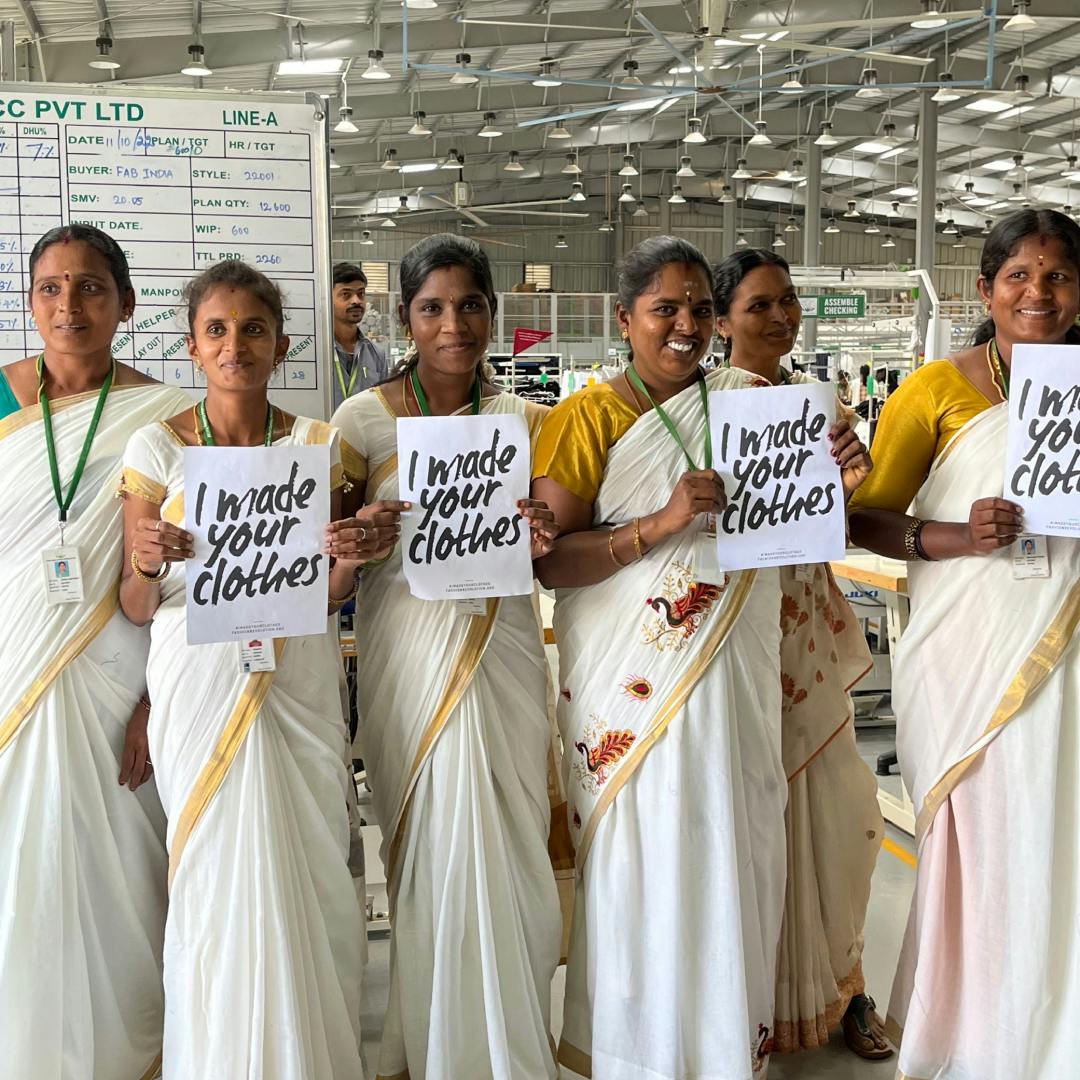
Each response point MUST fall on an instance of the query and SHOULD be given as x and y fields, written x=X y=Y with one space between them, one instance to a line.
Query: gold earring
x=626 y=335
x=986 y=307
x=408 y=333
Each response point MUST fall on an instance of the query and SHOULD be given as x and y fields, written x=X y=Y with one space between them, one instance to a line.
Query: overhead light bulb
x=461 y=77
x=826 y=138
x=103 y=61
x=1017 y=172
x=950 y=228
x=872 y=229
x=630 y=79
x=741 y=171
x=390 y=162
x=560 y=242
x=365 y=238
x=888 y=242
x=547 y=76
x=403 y=204
x=791 y=86
x=832 y=227
x=627 y=195
x=559 y=132
x=1071 y=171
x=571 y=168
x=419 y=127
x=453 y=160
x=794 y=175
x=375 y=69
x=513 y=165
x=742 y=242
x=895 y=209
x=1021 y=20
x=685 y=167
x=605 y=226
x=792 y=225
x=333 y=160
x=195 y=65
x=628 y=167
x=959 y=242
x=489 y=130
x=676 y=195
x=1018 y=194
x=388 y=223
x=345 y=123
x=931 y=17
x=640 y=211
x=852 y=210
x=1020 y=94
x=868 y=88
x=726 y=194
x=759 y=138
x=945 y=92
x=778 y=241
x=988 y=224
x=577 y=192
x=694 y=133
x=969 y=195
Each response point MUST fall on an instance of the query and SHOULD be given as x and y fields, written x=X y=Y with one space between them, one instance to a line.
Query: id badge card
x=1030 y=557
x=475 y=605
x=257 y=654
x=707 y=569
x=63 y=575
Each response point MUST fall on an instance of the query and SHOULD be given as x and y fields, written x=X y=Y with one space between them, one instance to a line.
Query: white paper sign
x=785 y=498
x=1042 y=471
x=258 y=516
x=464 y=535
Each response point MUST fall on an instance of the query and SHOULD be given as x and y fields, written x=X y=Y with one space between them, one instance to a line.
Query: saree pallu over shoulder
x=1019 y=630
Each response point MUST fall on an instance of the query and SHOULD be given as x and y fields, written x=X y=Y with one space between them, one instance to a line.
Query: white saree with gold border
x=987 y=695
x=82 y=860
x=455 y=733
x=670 y=717
x=263 y=939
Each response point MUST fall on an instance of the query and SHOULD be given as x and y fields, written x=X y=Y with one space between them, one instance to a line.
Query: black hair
x=643 y=263
x=234 y=274
x=1006 y=236
x=100 y=241
x=728 y=275
x=344 y=272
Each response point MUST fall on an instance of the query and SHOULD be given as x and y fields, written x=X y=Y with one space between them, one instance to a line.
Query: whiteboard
x=182 y=180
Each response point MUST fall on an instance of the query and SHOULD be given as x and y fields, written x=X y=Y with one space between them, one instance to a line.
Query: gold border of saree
x=666 y=713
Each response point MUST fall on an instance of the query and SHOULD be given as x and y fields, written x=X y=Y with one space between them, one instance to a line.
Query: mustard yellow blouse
x=919 y=420
x=576 y=436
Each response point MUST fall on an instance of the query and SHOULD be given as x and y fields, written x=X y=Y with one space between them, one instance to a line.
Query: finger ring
x=363 y=533
x=157 y=527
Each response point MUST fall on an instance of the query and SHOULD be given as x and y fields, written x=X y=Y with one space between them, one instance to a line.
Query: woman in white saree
x=669 y=709
x=455 y=731
x=263 y=939
x=986 y=687
x=834 y=826
x=82 y=858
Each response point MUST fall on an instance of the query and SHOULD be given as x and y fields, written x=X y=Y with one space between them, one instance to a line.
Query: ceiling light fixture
x=826 y=138
x=905 y=191
x=759 y=138
x=868 y=85
x=419 y=166
x=676 y=196
x=605 y=226
x=388 y=223
x=1018 y=195
x=462 y=77
x=852 y=210
x=419 y=127
x=489 y=130
x=571 y=168
x=1021 y=20
x=196 y=67
x=365 y=238
x=547 y=75
x=742 y=242
x=791 y=86
x=513 y=165
x=403 y=204
x=946 y=92
x=726 y=195
x=741 y=171
x=640 y=211
x=559 y=132
x=390 y=161
x=560 y=242
x=630 y=80
x=375 y=69
x=778 y=241
x=577 y=192
x=831 y=226
x=872 y=229
x=103 y=61
x=685 y=167
x=345 y=124
x=1071 y=171
x=950 y=228
x=792 y=225
x=888 y=242
x=627 y=195
x=694 y=134
x=453 y=160
x=628 y=168
x=333 y=160
x=931 y=17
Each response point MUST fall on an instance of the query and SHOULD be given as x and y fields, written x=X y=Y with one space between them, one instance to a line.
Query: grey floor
x=893 y=883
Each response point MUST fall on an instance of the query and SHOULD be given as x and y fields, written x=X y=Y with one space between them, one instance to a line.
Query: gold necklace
x=633 y=394
x=405 y=398
x=993 y=362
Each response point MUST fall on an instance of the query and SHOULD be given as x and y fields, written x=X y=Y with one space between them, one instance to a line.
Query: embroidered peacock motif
x=600 y=750
x=681 y=607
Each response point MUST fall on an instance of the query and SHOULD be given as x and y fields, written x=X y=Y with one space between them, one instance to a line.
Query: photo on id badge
x=1030 y=557
x=63 y=575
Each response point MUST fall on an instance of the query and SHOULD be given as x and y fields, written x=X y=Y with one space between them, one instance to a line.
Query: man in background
x=358 y=362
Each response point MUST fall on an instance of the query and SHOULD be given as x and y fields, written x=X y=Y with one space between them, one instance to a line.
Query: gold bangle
x=611 y=549
x=339 y=602
x=637 y=539
x=142 y=575
x=911 y=541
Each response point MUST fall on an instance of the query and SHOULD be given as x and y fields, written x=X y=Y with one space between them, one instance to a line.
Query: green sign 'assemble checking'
x=844 y=306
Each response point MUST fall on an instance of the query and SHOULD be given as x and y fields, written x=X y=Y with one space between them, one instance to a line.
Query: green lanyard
x=207 y=434
x=421 y=397
x=1000 y=368
x=346 y=391
x=635 y=378
x=63 y=502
